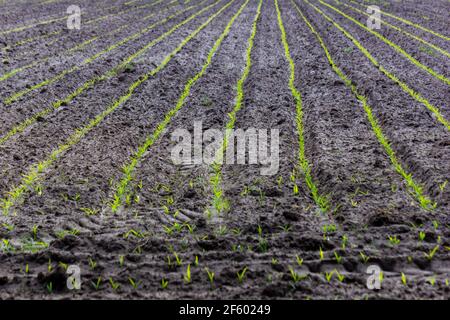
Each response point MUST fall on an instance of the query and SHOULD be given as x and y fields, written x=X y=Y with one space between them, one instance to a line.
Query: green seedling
x=178 y=259
x=121 y=260
x=299 y=260
x=164 y=283
x=321 y=256
x=421 y=235
x=187 y=275
x=8 y=227
x=286 y=228
x=34 y=232
x=404 y=280
x=340 y=276
x=295 y=276
x=393 y=240
x=329 y=276
x=432 y=252
x=364 y=257
x=49 y=265
x=338 y=257
x=89 y=211
x=97 y=284
x=92 y=264
x=274 y=261
x=50 y=287
x=135 y=284
x=210 y=276
x=443 y=185
x=344 y=242
x=241 y=274
x=114 y=285
x=435 y=224
x=432 y=280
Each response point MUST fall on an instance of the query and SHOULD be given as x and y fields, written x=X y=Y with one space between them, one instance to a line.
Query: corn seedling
x=89 y=211
x=114 y=285
x=35 y=232
x=344 y=242
x=432 y=252
x=274 y=261
x=187 y=275
x=393 y=240
x=340 y=276
x=97 y=284
x=50 y=287
x=210 y=276
x=135 y=284
x=295 y=276
x=299 y=260
x=443 y=185
x=321 y=256
x=404 y=279
x=178 y=259
x=49 y=265
x=286 y=228
x=421 y=235
x=8 y=227
x=241 y=274
x=337 y=257
x=121 y=260
x=435 y=224
x=164 y=283
x=221 y=230
x=63 y=265
x=92 y=264
x=432 y=280
x=263 y=245
x=329 y=276
x=364 y=257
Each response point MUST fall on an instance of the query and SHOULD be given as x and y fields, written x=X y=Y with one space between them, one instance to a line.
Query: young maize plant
x=19 y=128
x=36 y=170
x=391 y=44
x=321 y=201
x=416 y=189
x=415 y=95
x=35 y=63
x=219 y=202
x=417 y=38
x=415 y=25
x=122 y=187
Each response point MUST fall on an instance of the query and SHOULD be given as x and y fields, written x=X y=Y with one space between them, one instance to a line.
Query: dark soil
x=65 y=217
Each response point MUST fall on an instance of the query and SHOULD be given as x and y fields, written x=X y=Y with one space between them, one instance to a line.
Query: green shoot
x=241 y=274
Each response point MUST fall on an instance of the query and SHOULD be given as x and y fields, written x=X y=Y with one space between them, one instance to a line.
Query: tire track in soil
x=413 y=134
x=117 y=68
x=28 y=59
x=42 y=148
